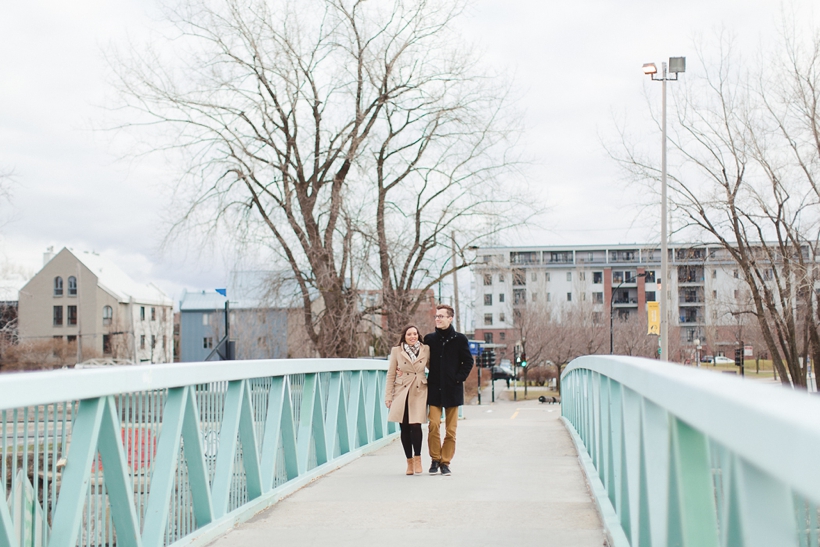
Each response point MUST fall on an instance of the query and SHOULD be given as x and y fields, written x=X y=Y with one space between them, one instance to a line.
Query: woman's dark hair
x=404 y=333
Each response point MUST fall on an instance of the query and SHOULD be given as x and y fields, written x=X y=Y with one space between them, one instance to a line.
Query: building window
x=142 y=341
x=519 y=277
x=548 y=297
x=735 y=293
x=488 y=299
x=153 y=314
x=547 y=276
x=58 y=316
x=488 y=279
x=768 y=274
x=630 y=276
x=569 y=276
x=501 y=319
x=596 y=317
x=58 y=286
x=72 y=315
x=488 y=319
x=569 y=297
x=488 y=338
x=153 y=341
x=108 y=315
x=734 y=274
x=597 y=298
x=714 y=274
x=502 y=335
x=519 y=297
x=106 y=344
x=205 y=319
x=714 y=294
x=71 y=338
x=583 y=296
x=617 y=277
x=534 y=276
x=597 y=277
x=501 y=278
x=534 y=296
x=208 y=342
x=650 y=296
x=142 y=313
x=650 y=276
x=72 y=286
x=501 y=298
x=582 y=276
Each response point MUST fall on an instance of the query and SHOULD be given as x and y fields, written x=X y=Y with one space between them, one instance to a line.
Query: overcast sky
x=575 y=65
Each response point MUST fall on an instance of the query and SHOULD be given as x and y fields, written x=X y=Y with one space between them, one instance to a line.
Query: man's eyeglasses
x=442 y=316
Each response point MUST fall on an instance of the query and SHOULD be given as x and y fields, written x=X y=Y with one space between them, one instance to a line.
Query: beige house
x=89 y=303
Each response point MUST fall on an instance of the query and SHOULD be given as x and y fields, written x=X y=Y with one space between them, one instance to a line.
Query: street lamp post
x=676 y=66
x=612 y=313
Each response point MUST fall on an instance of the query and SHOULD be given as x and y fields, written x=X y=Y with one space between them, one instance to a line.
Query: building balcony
x=691 y=320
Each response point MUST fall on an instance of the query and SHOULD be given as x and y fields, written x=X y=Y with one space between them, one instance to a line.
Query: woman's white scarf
x=412 y=351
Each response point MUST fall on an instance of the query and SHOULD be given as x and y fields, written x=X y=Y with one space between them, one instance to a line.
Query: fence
x=683 y=457
x=149 y=456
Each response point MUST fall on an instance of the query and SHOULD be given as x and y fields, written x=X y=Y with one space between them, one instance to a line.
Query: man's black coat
x=450 y=364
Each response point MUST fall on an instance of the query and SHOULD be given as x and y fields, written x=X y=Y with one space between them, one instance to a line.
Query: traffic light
x=739 y=357
x=524 y=360
x=491 y=358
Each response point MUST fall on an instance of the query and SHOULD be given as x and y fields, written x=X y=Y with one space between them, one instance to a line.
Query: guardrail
x=684 y=457
x=149 y=456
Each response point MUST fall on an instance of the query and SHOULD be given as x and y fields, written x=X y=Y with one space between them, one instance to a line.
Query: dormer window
x=58 y=286
x=72 y=286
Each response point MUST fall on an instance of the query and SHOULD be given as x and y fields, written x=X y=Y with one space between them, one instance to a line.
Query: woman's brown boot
x=409 y=466
x=417 y=465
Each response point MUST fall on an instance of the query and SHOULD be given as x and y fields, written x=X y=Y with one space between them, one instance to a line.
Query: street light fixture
x=676 y=66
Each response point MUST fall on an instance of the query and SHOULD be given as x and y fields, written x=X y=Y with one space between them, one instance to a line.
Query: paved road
x=516 y=481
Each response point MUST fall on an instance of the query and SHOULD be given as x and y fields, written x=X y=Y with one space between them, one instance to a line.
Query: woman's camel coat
x=411 y=386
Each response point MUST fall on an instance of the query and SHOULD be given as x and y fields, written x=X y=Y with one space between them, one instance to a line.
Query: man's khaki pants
x=442 y=454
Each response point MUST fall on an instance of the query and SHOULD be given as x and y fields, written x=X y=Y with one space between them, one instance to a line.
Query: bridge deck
x=516 y=481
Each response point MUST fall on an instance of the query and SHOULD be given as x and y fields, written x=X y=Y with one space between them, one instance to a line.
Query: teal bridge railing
x=149 y=456
x=677 y=456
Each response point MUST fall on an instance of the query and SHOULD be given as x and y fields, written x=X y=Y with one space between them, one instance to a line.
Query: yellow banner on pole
x=653 y=317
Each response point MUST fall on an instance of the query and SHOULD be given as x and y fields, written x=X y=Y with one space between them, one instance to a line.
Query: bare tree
x=744 y=182
x=305 y=124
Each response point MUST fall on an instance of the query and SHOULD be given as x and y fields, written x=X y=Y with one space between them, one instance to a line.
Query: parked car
x=502 y=373
x=721 y=360
x=707 y=359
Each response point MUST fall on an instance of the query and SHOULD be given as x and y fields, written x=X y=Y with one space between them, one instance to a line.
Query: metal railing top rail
x=773 y=428
x=38 y=388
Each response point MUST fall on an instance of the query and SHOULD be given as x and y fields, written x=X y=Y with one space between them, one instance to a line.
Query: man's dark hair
x=449 y=309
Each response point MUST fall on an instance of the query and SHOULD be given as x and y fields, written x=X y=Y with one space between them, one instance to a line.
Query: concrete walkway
x=516 y=481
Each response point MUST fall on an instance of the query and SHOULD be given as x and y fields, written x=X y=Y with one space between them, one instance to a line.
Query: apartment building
x=704 y=289
x=88 y=302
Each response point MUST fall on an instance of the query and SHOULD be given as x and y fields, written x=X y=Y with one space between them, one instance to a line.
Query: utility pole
x=455 y=280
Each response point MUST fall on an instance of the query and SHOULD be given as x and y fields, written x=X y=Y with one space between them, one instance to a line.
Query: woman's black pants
x=410 y=434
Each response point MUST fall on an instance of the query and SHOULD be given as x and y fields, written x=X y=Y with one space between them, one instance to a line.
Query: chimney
x=48 y=255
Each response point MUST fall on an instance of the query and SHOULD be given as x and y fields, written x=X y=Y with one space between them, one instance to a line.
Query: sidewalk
x=516 y=481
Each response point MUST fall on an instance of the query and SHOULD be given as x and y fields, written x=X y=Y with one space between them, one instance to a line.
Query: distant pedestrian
x=450 y=364
x=406 y=393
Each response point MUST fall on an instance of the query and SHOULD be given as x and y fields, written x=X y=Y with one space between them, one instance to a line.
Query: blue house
x=259 y=332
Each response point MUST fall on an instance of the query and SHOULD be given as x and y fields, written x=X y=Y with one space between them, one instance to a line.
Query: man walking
x=450 y=364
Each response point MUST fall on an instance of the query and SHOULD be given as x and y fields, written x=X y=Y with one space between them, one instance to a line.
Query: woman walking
x=406 y=393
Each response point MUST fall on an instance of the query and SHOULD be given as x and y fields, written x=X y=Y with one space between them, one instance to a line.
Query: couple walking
x=414 y=398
